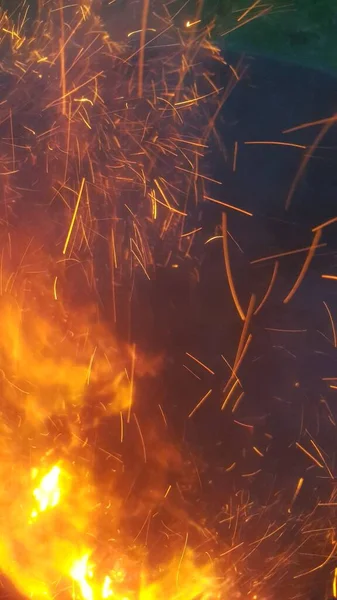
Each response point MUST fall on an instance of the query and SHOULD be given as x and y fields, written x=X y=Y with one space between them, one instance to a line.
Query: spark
x=240 y=210
x=235 y=156
x=260 y=14
x=305 y=267
x=237 y=402
x=289 y=253
x=55 y=288
x=200 y=403
x=146 y=5
x=304 y=163
x=74 y=217
x=311 y=124
x=332 y=277
x=181 y=561
x=248 y=10
x=307 y=453
x=189 y=24
x=228 y=267
x=133 y=362
x=200 y=363
x=141 y=437
x=332 y=324
x=297 y=491
x=275 y=143
x=225 y=402
x=320 y=566
x=269 y=289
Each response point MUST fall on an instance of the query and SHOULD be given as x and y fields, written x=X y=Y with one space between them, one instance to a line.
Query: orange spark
x=309 y=455
x=305 y=266
x=74 y=216
x=269 y=289
x=228 y=267
x=200 y=403
x=332 y=324
x=332 y=277
x=133 y=362
x=274 y=143
x=240 y=210
x=289 y=253
x=200 y=363
x=235 y=155
x=249 y=9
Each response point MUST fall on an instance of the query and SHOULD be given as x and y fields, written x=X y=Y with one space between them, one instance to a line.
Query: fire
x=63 y=379
x=47 y=494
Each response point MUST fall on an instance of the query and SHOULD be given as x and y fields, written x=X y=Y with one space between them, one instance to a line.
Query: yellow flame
x=48 y=493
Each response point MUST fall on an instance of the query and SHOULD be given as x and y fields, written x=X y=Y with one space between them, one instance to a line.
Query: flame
x=48 y=493
x=61 y=380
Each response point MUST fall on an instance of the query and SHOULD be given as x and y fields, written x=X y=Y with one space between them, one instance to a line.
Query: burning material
x=69 y=415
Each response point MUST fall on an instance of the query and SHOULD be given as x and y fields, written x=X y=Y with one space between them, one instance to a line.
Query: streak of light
x=322 y=458
x=228 y=470
x=191 y=101
x=332 y=277
x=248 y=10
x=239 y=362
x=311 y=124
x=258 y=452
x=297 y=491
x=286 y=330
x=12 y=138
x=200 y=403
x=269 y=289
x=275 y=143
x=192 y=372
x=145 y=13
x=235 y=156
x=233 y=547
x=304 y=163
x=168 y=491
x=320 y=566
x=240 y=210
x=141 y=437
x=305 y=267
x=237 y=402
x=181 y=560
x=200 y=363
x=260 y=14
x=183 y=235
x=243 y=337
x=133 y=362
x=139 y=31
x=307 y=453
x=199 y=175
x=92 y=357
x=63 y=82
x=162 y=414
x=289 y=253
x=73 y=91
x=325 y=224
x=334 y=583
x=55 y=288
x=231 y=391
x=74 y=216
x=121 y=427
x=228 y=267
x=332 y=324
x=189 y=24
